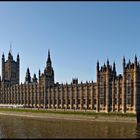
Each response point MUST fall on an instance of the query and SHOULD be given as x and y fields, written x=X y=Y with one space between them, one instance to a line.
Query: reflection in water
x=20 y=127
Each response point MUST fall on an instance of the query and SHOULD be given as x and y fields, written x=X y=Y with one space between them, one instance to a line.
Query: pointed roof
x=10 y=52
x=18 y=55
x=107 y=61
x=135 y=58
x=3 y=55
x=28 y=70
x=114 y=67
x=48 y=53
x=124 y=58
x=49 y=59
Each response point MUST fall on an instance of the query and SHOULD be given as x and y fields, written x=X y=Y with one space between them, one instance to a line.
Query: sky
x=77 y=34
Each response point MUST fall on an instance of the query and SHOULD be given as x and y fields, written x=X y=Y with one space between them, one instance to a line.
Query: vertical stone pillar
x=9 y=95
x=124 y=93
x=81 y=96
x=27 y=94
x=31 y=95
x=76 y=96
x=21 y=94
x=39 y=94
x=113 y=97
x=57 y=95
x=49 y=98
x=98 y=93
x=135 y=92
x=107 y=91
x=53 y=96
x=37 y=90
x=118 y=98
x=14 y=95
x=34 y=99
x=3 y=68
x=71 y=98
x=17 y=93
x=66 y=96
x=15 y=88
x=61 y=96
x=92 y=96
x=5 y=94
x=87 y=105
x=24 y=94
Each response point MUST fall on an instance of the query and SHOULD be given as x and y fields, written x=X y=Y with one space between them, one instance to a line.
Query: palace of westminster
x=110 y=92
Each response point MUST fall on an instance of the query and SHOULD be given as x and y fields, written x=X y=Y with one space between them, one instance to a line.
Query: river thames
x=23 y=127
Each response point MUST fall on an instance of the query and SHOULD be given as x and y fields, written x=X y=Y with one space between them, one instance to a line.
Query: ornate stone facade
x=110 y=93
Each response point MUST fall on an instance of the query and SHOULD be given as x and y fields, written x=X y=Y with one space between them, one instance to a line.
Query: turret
x=75 y=81
x=123 y=63
x=129 y=62
x=10 y=57
x=34 y=79
x=3 y=58
x=104 y=65
x=97 y=66
x=18 y=67
x=107 y=63
x=10 y=69
x=135 y=61
x=18 y=57
x=28 y=77
x=39 y=73
x=3 y=66
x=114 y=67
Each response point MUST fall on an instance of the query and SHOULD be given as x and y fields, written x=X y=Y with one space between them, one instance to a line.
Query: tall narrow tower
x=49 y=72
x=3 y=67
x=28 y=77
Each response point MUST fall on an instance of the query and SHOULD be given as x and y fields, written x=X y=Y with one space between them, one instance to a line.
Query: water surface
x=22 y=127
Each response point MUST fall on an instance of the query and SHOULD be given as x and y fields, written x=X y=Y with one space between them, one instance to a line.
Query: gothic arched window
x=129 y=78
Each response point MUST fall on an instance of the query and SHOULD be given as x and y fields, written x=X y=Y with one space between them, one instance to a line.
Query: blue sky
x=77 y=34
